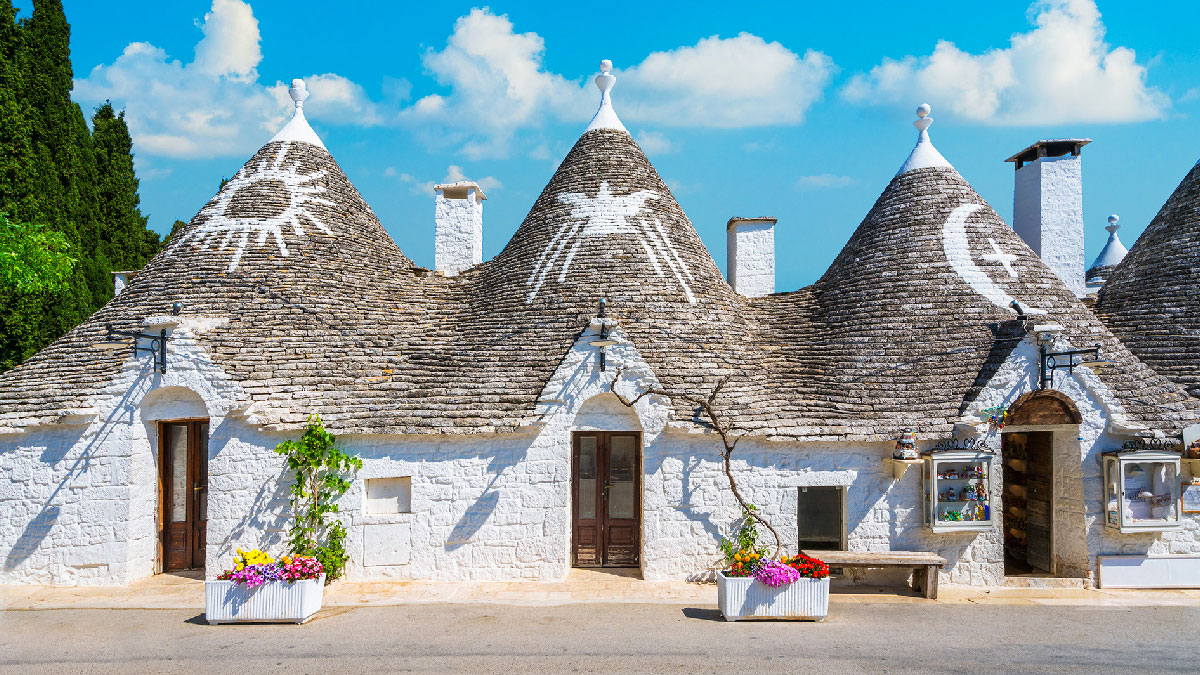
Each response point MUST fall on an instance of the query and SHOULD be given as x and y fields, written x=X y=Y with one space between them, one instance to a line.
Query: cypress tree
x=124 y=238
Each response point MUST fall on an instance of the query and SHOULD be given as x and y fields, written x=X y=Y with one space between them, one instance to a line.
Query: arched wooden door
x=606 y=498
x=183 y=458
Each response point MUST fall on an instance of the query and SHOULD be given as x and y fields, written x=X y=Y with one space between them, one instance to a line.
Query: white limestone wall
x=688 y=506
x=458 y=233
x=1079 y=530
x=750 y=247
x=1048 y=214
x=79 y=502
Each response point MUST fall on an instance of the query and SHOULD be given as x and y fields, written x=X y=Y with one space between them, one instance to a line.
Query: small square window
x=821 y=517
x=389 y=495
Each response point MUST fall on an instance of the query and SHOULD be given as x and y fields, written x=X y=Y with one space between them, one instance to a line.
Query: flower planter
x=747 y=598
x=229 y=602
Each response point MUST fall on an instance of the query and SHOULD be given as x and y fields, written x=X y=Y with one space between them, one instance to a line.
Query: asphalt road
x=648 y=638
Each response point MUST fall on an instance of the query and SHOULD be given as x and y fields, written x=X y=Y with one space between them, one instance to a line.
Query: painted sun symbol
x=261 y=203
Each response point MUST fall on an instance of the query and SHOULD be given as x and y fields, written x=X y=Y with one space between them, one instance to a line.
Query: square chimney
x=458 y=219
x=750 y=245
x=1048 y=206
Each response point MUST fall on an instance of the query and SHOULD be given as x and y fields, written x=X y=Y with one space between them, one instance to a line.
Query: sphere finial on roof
x=924 y=155
x=1112 y=223
x=298 y=92
x=923 y=118
x=606 y=117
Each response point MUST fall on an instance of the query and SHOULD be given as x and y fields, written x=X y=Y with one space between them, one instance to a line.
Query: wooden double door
x=606 y=498
x=183 y=460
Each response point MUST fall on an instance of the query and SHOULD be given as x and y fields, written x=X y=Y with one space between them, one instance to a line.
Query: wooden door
x=1039 y=481
x=183 y=457
x=606 y=498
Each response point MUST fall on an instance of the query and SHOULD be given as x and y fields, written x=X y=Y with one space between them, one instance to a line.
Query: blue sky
x=802 y=114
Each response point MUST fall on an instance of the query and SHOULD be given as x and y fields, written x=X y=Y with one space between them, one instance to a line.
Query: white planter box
x=227 y=602
x=747 y=598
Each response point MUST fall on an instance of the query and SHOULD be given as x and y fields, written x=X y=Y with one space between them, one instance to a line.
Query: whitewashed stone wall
x=78 y=504
x=1048 y=214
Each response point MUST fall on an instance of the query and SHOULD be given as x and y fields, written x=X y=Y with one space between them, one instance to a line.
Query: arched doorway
x=606 y=485
x=1027 y=454
x=181 y=419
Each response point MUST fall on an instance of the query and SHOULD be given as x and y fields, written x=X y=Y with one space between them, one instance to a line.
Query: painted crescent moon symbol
x=958 y=252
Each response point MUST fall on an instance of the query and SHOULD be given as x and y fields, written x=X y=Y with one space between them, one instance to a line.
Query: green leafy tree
x=57 y=174
x=321 y=471
x=32 y=258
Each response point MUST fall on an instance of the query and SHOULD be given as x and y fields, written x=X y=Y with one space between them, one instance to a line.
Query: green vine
x=320 y=468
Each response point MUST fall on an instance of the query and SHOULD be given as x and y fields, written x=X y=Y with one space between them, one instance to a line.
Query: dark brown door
x=1039 y=478
x=606 y=498
x=183 y=453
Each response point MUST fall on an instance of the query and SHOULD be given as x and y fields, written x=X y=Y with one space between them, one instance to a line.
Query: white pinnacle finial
x=297 y=129
x=606 y=117
x=924 y=155
x=298 y=92
x=1112 y=223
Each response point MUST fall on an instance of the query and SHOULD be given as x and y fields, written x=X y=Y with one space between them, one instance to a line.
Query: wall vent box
x=389 y=495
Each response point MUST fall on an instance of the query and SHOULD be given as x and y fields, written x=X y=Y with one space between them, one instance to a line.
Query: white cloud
x=1060 y=71
x=654 y=143
x=823 y=181
x=742 y=81
x=454 y=173
x=498 y=84
x=214 y=106
x=230 y=44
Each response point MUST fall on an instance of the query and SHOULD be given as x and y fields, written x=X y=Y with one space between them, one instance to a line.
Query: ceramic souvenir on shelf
x=906 y=447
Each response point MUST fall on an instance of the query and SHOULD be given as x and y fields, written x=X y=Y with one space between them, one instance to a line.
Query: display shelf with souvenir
x=958 y=491
x=1141 y=490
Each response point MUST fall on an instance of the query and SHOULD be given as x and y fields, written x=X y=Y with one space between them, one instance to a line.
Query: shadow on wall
x=478 y=513
x=40 y=526
x=268 y=516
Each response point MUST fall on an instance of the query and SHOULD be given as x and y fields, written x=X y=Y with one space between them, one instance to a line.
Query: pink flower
x=775 y=574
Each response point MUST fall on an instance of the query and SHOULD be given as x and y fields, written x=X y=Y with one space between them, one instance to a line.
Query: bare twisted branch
x=725 y=430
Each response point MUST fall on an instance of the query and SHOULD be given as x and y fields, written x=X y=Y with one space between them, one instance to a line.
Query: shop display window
x=1141 y=491
x=958 y=491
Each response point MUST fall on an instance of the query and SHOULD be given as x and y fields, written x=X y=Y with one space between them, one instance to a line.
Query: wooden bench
x=925 y=566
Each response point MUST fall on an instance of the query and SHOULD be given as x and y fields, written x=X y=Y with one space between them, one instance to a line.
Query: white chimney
x=750 y=245
x=458 y=214
x=1048 y=206
x=121 y=280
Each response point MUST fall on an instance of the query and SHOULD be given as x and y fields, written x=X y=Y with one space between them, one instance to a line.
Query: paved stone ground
x=186 y=591
x=648 y=637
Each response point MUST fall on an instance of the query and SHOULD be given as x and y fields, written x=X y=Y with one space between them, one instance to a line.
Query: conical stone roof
x=1150 y=299
x=287 y=259
x=915 y=316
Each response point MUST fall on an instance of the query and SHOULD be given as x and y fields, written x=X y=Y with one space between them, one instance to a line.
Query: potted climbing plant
x=260 y=588
x=322 y=472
